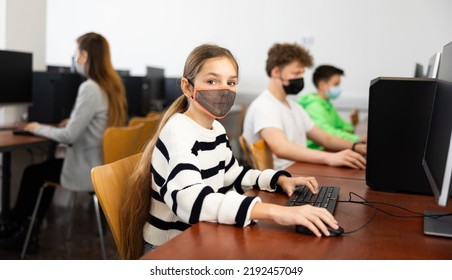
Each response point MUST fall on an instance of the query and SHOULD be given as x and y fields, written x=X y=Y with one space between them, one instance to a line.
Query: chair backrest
x=262 y=155
x=121 y=141
x=110 y=182
x=150 y=127
x=246 y=151
x=154 y=114
x=354 y=117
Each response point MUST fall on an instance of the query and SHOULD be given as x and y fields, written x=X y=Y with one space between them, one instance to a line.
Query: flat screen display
x=15 y=77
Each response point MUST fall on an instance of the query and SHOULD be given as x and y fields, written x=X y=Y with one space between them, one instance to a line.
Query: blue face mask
x=78 y=67
x=333 y=93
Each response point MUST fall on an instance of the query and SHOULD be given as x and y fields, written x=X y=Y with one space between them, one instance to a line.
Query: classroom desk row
x=369 y=234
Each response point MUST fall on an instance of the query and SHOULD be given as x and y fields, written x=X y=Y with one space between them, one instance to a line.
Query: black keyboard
x=23 y=132
x=326 y=197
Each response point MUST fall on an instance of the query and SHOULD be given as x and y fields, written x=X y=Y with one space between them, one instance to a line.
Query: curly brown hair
x=282 y=54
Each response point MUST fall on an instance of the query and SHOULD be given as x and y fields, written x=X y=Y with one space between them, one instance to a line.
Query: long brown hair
x=135 y=209
x=100 y=69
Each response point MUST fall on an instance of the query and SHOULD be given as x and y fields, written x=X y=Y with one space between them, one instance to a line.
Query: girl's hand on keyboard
x=288 y=184
x=313 y=218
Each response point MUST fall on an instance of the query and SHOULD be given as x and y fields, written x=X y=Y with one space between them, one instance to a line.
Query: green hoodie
x=325 y=116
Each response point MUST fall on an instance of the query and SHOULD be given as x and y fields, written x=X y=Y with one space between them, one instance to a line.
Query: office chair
x=110 y=182
x=246 y=151
x=150 y=127
x=117 y=143
x=262 y=156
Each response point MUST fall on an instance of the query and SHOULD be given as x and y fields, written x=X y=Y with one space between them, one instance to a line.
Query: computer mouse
x=333 y=232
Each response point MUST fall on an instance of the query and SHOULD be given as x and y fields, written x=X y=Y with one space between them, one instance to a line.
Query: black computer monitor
x=399 y=112
x=419 y=71
x=172 y=90
x=54 y=96
x=16 y=69
x=433 y=66
x=59 y=69
x=137 y=95
x=437 y=161
x=156 y=91
x=123 y=72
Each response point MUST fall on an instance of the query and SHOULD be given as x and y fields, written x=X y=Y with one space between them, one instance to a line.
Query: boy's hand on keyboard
x=347 y=158
x=288 y=184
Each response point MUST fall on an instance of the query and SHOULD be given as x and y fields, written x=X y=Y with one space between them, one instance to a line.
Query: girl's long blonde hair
x=136 y=206
x=100 y=69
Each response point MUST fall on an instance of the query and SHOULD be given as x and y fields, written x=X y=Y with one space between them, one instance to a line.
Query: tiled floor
x=84 y=243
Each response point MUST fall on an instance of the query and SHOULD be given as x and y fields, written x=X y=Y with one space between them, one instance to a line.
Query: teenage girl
x=188 y=173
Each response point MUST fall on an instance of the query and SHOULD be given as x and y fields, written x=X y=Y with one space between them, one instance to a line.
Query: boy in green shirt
x=327 y=79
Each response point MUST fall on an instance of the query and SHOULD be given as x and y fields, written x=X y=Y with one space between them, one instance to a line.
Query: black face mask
x=295 y=86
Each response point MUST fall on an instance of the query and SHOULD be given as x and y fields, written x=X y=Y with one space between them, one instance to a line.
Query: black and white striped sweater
x=195 y=177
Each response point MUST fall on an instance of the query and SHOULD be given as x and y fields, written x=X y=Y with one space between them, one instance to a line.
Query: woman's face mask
x=78 y=67
x=215 y=102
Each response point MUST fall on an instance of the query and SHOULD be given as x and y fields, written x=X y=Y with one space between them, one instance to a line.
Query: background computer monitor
x=59 y=69
x=137 y=88
x=156 y=90
x=172 y=90
x=433 y=66
x=54 y=96
x=16 y=69
x=437 y=161
x=123 y=72
x=419 y=71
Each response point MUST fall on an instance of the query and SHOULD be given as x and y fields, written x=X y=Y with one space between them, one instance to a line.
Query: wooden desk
x=384 y=238
x=312 y=169
x=9 y=143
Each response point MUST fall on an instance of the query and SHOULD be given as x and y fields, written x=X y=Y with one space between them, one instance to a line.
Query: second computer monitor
x=156 y=91
x=54 y=96
x=15 y=78
x=172 y=90
x=137 y=94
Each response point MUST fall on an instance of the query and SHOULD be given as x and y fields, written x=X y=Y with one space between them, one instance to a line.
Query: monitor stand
x=441 y=226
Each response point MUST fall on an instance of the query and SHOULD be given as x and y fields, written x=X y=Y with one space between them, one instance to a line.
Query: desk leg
x=6 y=183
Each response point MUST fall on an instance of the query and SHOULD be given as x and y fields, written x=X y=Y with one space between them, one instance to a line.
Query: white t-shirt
x=267 y=111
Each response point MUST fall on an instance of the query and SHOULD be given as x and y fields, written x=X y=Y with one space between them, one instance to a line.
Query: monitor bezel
x=442 y=192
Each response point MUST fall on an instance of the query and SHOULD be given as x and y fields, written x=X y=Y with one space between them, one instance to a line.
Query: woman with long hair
x=188 y=173
x=100 y=103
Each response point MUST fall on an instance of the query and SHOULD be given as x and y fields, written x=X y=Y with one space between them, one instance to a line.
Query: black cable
x=373 y=204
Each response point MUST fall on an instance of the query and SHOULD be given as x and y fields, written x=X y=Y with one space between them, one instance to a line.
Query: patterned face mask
x=215 y=102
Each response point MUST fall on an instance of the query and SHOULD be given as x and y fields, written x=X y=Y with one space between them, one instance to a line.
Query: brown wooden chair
x=262 y=155
x=117 y=143
x=354 y=117
x=110 y=182
x=246 y=151
x=154 y=114
x=121 y=141
x=150 y=127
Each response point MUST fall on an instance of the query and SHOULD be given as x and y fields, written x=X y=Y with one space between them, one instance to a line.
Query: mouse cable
x=359 y=202
x=368 y=203
x=373 y=204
